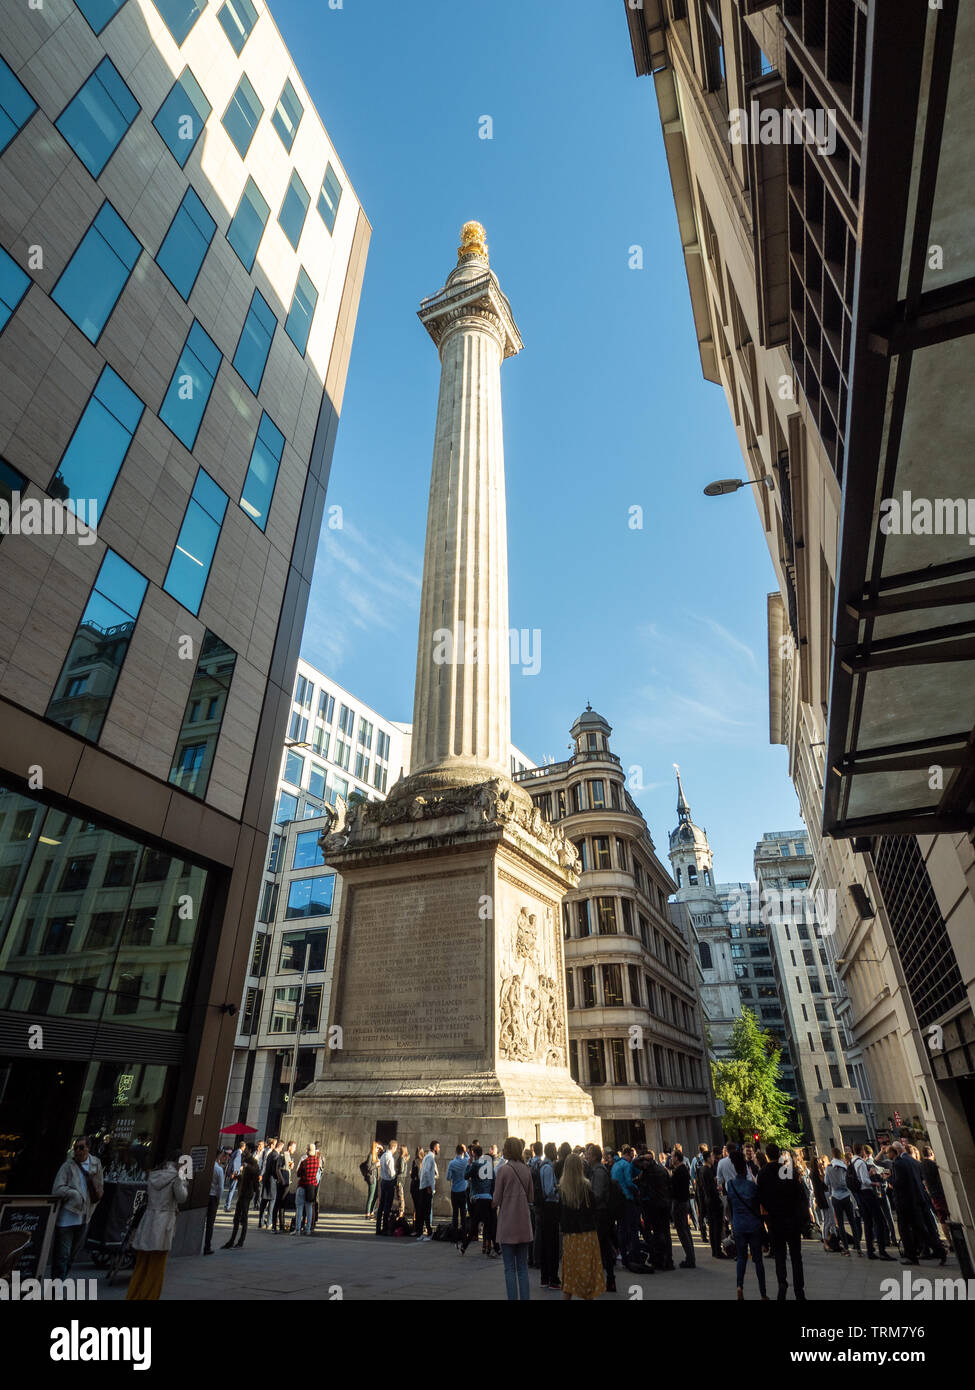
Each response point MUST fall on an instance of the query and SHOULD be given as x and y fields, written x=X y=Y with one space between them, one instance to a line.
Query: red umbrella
x=239 y=1129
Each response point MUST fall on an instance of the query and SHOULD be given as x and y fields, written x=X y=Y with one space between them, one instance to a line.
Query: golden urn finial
x=472 y=241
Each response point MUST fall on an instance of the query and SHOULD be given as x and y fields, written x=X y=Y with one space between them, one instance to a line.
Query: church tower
x=698 y=911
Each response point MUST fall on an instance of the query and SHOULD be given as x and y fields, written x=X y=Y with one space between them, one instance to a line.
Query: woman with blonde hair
x=370 y=1171
x=582 y=1265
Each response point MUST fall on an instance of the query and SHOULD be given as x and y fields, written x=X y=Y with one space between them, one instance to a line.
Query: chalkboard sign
x=34 y=1216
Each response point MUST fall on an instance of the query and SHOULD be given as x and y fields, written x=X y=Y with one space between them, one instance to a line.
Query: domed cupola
x=690 y=853
x=591 y=732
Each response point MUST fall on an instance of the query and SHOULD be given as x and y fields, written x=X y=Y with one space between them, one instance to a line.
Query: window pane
x=242 y=116
x=179 y=16
x=16 y=105
x=287 y=116
x=95 y=120
x=287 y=809
x=263 y=471
x=293 y=945
x=329 y=198
x=316 y=781
x=308 y=852
x=198 y=736
x=182 y=116
x=190 y=388
x=250 y=358
x=186 y=243
x=293 y=210
x=97 y=273
x=98 y=446
x=189 y=568
x=237 y=18
x=14 y=284
x=310 y=897
x=99 y=12
x=294 y=766
x=91 y=668
x=298 y=325
x=247 y=228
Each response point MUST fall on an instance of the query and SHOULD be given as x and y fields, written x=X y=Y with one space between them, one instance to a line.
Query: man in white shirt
x=234 y=1173
x=387 y=1189
x=867 y=1199
x=216 y=1192
x=428 y=1187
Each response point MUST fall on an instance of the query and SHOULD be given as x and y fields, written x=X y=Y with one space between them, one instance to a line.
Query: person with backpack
x=547 y=1206
x=512 y=1202
x=841 y=1199
x=746 y=1223
x=480 y=1179
x=862 y=1178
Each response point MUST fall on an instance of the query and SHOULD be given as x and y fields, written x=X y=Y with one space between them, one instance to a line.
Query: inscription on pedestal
x=413 y=969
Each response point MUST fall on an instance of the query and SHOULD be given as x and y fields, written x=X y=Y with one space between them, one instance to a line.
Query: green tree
x=747 y=1083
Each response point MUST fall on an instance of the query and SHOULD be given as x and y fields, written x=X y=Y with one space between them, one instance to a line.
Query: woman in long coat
x=153 y=1236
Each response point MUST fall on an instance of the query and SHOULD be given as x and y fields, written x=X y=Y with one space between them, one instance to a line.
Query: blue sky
x=662 y=629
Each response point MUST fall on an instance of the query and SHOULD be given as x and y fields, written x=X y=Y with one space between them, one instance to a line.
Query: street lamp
x=725 y=485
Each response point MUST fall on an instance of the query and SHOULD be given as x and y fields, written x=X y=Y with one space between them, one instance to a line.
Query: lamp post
x=726 y=485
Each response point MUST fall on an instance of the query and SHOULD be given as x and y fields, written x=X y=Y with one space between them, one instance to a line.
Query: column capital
x=464 y=297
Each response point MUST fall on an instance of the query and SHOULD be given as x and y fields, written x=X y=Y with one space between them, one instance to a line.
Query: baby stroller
x=123 y=1256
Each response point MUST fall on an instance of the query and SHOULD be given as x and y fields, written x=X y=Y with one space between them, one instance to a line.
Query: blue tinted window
x=291 y=218
x=99 y=12
x=16 y=105
x=242 y=115
x=287 y=115
x=287 y=808
x=182 y=116
x=263 y=471
x=237 y=18
x=94 y=122
x=308 y=852
x=189 y=568
x=96 y=274
x=14 y=284
x=302 y=312
x=294 y=766
x=179 y=16
x=250 y=359
x=181 y=254
x=101 y=440
x=329 y=198
x=208 y=696
x=247 y=228
x=98 y=650
x=188 y=393
x=310 y=897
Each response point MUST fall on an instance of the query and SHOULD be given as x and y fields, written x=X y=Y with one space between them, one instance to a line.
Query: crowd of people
x=575 y=1215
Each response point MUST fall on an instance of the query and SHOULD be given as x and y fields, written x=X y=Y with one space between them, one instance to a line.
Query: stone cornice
x=478 y=302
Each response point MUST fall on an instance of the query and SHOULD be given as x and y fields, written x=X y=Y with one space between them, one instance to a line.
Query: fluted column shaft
x=462 y=716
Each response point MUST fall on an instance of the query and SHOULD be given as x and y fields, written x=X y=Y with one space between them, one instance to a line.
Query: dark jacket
x=652 y=1180
x=707 y=1186
x=745 y=1215
x=247 y=1181
x=908 y=1184
x=600 y=1186
x=784 y=1199
x=574 y=1220
x=680 y=1183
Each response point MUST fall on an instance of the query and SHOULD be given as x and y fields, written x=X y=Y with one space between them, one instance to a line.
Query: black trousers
x=423 y=1209
x=458 y=1211
x=656 y=1219
x=715 y=1214
x=787 y=1235
x=874 y=1226
x=548 y=1244
x=212 y=1205
x=482 y=1215
x=241 y=1211
x=605 y=1230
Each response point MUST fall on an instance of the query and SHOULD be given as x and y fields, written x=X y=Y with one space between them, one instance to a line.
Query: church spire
x=683 y=810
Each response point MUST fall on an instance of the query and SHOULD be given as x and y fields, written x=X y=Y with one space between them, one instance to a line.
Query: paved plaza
x=344 y=1259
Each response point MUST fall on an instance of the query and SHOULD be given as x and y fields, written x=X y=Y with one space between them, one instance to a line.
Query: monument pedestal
x=448 y=1015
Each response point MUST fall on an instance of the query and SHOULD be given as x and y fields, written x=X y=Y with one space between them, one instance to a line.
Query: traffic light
x=755 y=1137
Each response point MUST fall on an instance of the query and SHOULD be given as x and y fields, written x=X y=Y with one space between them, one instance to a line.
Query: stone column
x=461 y=717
